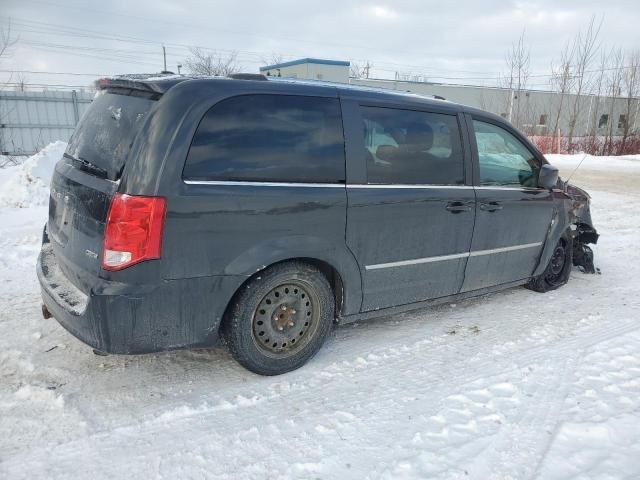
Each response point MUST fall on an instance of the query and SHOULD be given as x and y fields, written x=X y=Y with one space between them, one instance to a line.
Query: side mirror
x=548 y=177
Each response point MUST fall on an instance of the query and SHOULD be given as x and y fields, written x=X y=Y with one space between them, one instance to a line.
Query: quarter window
x=410 y=147
x=269 y=138
x=504 y=160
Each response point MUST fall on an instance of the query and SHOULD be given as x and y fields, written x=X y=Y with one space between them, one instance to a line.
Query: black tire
x=558 y=269
x=280 y=318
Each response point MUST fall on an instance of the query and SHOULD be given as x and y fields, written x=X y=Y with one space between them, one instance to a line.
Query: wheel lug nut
x=291 y=324
x=283 y=307
x=293 y=312
x=280 y=328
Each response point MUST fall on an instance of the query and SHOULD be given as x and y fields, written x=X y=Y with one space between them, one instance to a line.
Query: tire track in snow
x=247 y=415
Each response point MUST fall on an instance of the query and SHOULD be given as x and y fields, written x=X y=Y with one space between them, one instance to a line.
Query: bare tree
x=21 y=82
x=272 y=59
x=631 y=82
x=7 y=40
x=599 y=87
x=211 y=63
x=360 y=70
x=614 y=89
x=517 y=60
x=586 y=49
x=562 y=81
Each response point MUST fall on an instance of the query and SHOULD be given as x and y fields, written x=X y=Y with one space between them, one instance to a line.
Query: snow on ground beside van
x=510 y=385
x=27 y=184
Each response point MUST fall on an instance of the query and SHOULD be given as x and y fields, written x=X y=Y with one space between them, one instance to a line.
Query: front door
x=409 y=224
x=513 y=214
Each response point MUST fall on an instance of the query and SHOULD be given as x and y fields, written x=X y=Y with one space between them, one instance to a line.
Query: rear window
x=102 y=140
x=277 y=138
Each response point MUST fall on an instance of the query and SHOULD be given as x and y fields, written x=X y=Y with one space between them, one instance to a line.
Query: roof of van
x=161 y=83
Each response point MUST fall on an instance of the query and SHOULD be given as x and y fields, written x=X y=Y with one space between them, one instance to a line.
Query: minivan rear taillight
x=133 y=232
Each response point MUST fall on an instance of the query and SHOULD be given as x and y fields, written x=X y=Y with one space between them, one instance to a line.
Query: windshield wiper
x=87 y=166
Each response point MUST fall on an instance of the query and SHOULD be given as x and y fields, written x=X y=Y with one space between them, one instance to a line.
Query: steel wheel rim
x=286 y=319
x=556 y=265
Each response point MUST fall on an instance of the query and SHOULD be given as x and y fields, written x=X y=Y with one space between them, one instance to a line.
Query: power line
x=199 y=26
x=34 y=72
x=136 y=56
x=254 y=57
x=44 y=85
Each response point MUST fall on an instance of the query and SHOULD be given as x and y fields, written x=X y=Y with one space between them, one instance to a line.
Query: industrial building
x=535 y=112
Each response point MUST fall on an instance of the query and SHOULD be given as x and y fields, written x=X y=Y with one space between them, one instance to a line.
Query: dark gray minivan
x=263 y=210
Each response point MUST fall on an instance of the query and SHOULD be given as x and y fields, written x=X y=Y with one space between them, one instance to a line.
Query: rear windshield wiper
x=87 y=166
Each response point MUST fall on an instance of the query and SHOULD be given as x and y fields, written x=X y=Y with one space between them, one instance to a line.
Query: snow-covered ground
x=512 y=385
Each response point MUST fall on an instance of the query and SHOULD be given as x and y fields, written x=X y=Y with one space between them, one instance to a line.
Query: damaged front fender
x=578 y=205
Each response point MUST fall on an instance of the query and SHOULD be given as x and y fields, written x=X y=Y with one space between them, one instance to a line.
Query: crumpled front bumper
x=583 y=231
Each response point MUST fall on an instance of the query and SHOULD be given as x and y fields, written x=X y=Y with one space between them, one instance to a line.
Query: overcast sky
x=456 y=41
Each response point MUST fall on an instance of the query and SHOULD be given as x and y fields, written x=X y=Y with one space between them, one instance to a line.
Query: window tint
x=408 y=147
x=504 y=160
x=269 y=138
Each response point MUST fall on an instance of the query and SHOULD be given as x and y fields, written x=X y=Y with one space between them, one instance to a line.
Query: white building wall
x=527 y=112
x=535 y=112
x=312 y=71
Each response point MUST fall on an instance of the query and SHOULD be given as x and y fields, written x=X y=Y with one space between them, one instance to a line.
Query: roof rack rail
x=439 y=97
x=247 y=76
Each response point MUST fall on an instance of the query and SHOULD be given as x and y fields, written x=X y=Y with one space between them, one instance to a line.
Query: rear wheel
x=280 y=318
x=558 y=269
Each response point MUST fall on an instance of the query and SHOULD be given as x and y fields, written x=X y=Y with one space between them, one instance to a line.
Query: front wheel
x=280 y=318
x=558 y=269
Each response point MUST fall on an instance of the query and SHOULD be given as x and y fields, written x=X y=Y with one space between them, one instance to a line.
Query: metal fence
x=31 y=120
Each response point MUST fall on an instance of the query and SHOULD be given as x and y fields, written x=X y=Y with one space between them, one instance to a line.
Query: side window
x=277 y=138
x=504 y=160
x=409 y=147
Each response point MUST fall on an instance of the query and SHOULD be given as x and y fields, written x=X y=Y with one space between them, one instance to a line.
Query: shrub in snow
x=28 y=184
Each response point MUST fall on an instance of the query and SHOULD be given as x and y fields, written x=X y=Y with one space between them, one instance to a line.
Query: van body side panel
x=418 y=252
x=238 y=229
x=241 y=229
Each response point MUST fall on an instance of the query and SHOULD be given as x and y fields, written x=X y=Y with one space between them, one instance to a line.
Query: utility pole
x=164 y=54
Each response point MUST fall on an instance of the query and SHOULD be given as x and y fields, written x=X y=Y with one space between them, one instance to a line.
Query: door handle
x=458 y=207
x=491 y=206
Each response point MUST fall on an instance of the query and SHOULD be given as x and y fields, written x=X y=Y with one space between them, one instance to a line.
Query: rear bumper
x=133 y=319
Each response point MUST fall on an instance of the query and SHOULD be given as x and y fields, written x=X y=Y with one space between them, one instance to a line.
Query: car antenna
x=576 y=169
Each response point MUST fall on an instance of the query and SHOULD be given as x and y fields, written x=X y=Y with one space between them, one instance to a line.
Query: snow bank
x=28 y=183
x=592 y=162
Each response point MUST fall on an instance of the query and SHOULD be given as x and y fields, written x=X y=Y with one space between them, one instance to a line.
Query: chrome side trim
x=479 y=253
x=417 y=261
x=418 y=186
x=454 y=256
x=352 y=185
x=264 y=184
x=497 y=187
